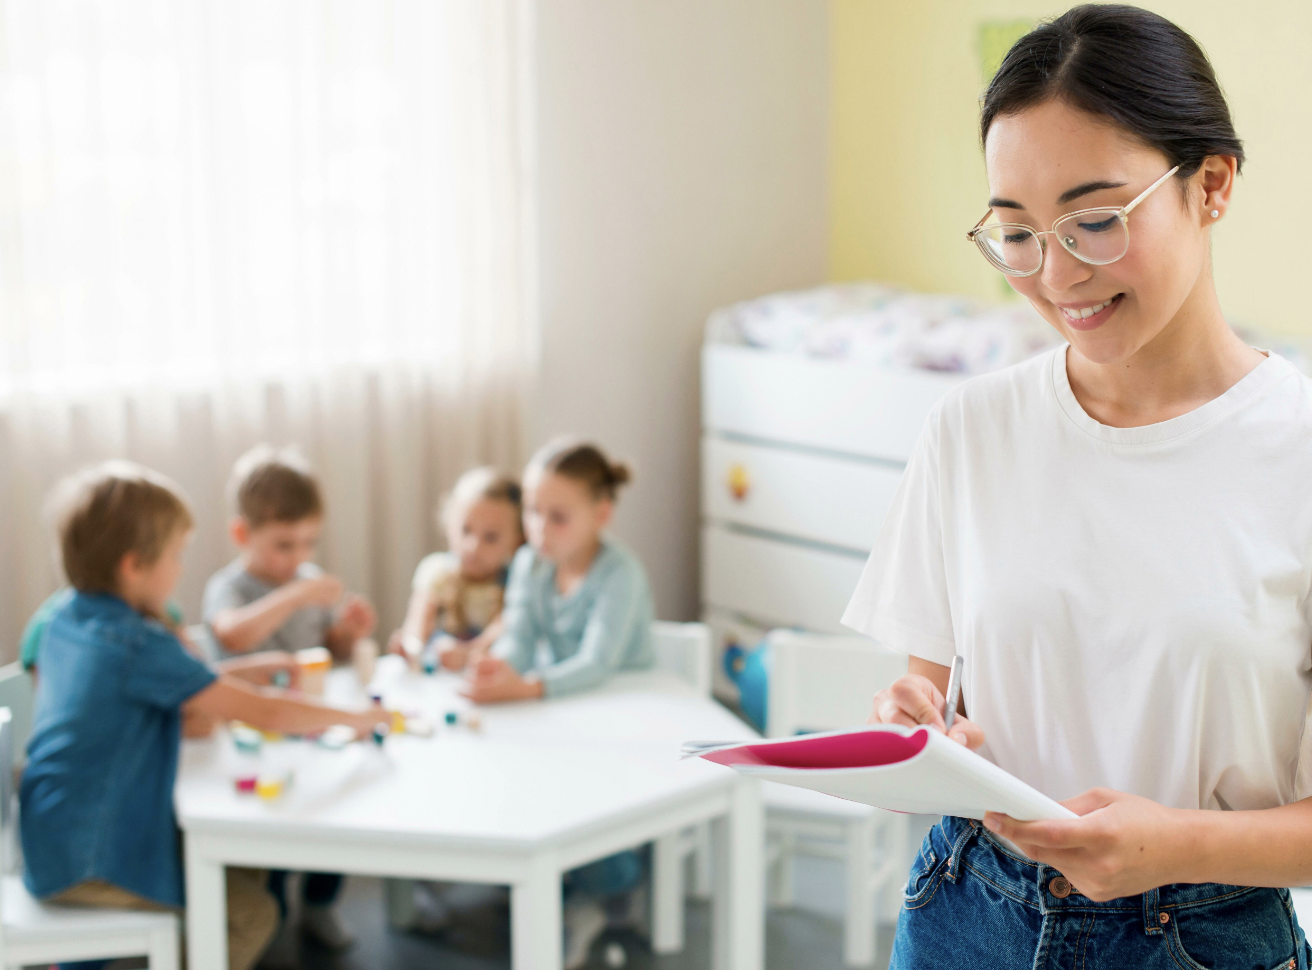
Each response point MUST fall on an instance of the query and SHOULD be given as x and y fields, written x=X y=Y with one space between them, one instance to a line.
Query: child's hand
x=493 y=680
x=323 y=590
x=356 y=618
x=453 y=654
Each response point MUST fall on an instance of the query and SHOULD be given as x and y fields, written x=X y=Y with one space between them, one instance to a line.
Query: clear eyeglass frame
x=979 y=234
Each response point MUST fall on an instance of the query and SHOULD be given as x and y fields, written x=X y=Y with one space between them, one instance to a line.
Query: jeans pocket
x=925 y=874
x=1248 y=929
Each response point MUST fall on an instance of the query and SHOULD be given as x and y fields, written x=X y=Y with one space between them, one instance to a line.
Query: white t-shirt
x=1132 y=603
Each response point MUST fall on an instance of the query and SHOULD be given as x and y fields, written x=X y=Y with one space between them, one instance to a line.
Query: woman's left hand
x=1120 y=845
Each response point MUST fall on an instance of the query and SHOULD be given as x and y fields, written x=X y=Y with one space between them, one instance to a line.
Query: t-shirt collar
x=1244 y=390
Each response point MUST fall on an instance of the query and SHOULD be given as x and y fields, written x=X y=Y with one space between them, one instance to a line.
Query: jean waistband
x=971 y=846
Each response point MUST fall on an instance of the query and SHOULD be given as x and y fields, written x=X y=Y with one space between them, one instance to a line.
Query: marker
x=380 y=734
x=451 y=718
x=282 y=679
x=954 y=693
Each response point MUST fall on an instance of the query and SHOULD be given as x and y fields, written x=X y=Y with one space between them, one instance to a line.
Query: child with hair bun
x=458 y=594
x=571 y=588
x=585 y=598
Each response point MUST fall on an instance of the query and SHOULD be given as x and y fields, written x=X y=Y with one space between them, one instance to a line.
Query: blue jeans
x=971 y=902
x=609 y=877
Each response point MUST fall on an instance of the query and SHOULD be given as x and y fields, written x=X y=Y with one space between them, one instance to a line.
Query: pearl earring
x=1215 y=214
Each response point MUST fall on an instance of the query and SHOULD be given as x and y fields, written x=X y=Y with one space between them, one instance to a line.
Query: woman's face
x=1052 y=159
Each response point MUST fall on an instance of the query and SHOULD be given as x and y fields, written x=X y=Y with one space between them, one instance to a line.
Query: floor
x=795 y=940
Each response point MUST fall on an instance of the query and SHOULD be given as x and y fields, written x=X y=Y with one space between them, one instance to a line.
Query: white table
x=543 y=788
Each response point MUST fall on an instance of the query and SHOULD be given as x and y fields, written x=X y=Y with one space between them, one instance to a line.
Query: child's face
x=485 y=537
x=147 y=587
x=274 y=551
x=562 y=518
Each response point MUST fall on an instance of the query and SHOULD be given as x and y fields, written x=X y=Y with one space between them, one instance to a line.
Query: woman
x=1117 y=538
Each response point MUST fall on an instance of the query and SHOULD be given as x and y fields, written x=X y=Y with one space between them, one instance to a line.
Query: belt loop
x=959 y=846
x=1152 y=923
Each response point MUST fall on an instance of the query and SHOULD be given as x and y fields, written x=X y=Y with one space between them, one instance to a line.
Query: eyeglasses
x=1097 y=236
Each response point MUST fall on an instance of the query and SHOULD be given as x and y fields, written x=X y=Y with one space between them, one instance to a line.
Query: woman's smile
x=1089 y=316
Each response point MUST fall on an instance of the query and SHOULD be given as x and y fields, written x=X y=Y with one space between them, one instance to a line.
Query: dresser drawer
x=774 y=582
x=836 y=501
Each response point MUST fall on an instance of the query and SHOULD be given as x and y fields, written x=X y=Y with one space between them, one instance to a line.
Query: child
x=586 y=598
x=459 y=593
x=97 y=822
x=272 y=597
x=581 y=594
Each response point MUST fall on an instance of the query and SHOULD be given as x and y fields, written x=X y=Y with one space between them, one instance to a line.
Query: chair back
x=8 y=800
x=684 y=649
x=16 y=693
x=823 y=683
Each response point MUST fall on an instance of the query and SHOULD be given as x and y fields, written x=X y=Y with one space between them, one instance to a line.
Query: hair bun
x=620 y=473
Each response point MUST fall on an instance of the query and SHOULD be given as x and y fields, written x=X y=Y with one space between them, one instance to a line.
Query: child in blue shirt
x=97 y=823
x=584 y=598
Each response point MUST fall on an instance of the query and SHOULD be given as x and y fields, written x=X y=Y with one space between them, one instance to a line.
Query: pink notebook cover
x=857 y=749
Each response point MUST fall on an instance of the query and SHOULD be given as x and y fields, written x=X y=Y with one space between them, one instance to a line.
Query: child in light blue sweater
x=585 y=599
x=571 y=589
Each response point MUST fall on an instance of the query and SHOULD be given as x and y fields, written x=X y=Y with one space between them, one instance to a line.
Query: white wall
x=682 y=166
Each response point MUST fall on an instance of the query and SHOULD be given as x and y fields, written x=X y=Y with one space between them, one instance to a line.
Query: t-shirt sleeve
x=221 y=593
x=160 y=672
x=518 y=642
x=902 y=599
x=621 y=605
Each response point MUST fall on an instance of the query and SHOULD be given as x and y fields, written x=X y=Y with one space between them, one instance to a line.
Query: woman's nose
x=1061 y=270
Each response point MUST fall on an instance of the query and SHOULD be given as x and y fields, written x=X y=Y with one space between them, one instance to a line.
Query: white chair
x=32 y=932
x=16 y=693
x=684 y=649
x=821 y=683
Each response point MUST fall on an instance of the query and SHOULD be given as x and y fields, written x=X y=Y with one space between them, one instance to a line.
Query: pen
x=954 y=693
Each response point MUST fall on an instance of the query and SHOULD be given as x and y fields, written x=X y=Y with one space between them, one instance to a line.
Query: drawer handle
x=739 y=482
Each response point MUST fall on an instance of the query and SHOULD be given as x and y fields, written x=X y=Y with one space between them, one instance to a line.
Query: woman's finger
x=966 y=732
x=919 y=700
x=1047 y=833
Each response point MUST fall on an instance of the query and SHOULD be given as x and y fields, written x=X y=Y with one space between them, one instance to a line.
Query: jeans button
x=1164 y=918
x=1060 y=887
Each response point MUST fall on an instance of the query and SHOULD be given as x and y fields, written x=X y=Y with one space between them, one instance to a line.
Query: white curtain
x=232 y=221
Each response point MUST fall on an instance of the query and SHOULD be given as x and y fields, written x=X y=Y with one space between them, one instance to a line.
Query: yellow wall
x=907 y=176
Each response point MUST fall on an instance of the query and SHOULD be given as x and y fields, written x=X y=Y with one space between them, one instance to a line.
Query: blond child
x=272 y=596
x=456 y=597
x=97 y=822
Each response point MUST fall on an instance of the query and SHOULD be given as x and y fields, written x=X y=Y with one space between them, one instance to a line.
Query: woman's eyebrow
x=1070 y=195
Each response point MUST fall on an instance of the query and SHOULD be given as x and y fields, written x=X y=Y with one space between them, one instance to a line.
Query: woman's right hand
x=913 y=700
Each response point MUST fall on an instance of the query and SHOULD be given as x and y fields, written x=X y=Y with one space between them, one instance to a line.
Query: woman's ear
x=1217 y=180
x=239 y=530
x=605 y=512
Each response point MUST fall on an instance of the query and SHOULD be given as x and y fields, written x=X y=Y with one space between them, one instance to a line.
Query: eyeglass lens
x=1097 y=236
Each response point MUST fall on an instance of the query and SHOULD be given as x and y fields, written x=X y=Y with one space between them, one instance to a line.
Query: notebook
x=888 y=766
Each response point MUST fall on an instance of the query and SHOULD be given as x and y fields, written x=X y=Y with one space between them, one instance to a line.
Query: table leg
x=738 y=904
x=207 y=913
x=667 y=893
x=535 y=918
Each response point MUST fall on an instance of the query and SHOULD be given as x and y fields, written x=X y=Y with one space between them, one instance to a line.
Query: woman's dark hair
x=1125 y=64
